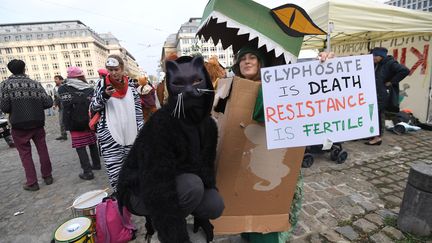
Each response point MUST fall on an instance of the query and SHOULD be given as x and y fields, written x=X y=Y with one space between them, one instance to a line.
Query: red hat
x=102 y=71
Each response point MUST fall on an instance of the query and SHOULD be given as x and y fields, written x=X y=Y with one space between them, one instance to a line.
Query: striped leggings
x=113 y=154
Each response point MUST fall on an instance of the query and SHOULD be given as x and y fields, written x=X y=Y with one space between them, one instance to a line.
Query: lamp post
x=330 y=28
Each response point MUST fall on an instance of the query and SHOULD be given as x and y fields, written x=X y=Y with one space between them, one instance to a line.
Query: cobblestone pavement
x=354 y=201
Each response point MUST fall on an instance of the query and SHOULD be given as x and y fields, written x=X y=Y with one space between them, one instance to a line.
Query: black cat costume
x=170 y=172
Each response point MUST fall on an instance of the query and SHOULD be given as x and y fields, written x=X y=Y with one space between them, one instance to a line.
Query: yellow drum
x=85 y=205
x=75 y=230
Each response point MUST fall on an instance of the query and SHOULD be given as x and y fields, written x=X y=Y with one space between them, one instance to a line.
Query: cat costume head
x=190 y=89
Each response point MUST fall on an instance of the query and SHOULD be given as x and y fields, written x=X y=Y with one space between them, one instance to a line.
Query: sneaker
x=96 y=167
x=32 y=188
x=86 y=175
x=61 y=138
x=48 y=180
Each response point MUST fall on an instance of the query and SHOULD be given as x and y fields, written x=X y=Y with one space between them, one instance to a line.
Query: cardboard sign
x=314 y=103
x=257 y=184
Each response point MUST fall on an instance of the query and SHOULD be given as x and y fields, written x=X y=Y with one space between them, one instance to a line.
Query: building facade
x=49 y=48
x=424 y=5
x=187 y=43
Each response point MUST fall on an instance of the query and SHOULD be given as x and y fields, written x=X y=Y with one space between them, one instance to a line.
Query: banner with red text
x=314 y=103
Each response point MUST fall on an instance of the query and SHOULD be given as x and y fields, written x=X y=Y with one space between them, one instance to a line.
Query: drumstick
x=97 y=194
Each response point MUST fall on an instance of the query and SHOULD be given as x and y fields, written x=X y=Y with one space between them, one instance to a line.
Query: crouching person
x=170 y=171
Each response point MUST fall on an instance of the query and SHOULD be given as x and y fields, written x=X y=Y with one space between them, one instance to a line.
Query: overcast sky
x=142 y=26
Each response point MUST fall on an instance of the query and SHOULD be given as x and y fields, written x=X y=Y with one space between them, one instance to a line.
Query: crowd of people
x=174 y=175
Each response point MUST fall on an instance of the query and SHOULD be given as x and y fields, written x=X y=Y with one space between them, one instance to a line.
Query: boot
x=86 y=175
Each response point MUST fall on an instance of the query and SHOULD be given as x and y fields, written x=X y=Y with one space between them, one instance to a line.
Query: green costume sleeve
x=258 y=114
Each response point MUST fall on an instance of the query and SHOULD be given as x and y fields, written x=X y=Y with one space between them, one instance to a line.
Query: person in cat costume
x=170 y=172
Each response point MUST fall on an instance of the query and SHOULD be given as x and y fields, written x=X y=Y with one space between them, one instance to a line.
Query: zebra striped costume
x=112 y=152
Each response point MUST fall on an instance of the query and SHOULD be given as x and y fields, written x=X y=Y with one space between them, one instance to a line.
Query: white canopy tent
x=359 y=26
x=364 y=20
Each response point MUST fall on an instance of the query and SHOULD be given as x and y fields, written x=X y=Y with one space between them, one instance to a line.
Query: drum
x=75 y=230
x=85 y=205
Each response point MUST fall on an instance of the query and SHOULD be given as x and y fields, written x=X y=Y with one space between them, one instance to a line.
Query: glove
x=206 y=226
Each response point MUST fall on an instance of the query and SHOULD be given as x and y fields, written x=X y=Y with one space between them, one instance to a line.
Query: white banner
x=312 y=103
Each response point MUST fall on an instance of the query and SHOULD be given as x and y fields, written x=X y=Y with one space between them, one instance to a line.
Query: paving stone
x=380 y=238
x=375 y=218
x=315 y=186
x=386 y=180
x=367 y=206
x=393 y=199
x=315 y=238
x=348 y=232
x=393 y=233
x=365 y=225
x=331 y=236
x=309 y=209
x=334 y=191
x=385 y=213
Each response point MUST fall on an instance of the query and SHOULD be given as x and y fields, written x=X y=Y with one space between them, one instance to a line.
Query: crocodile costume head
x=277 y=32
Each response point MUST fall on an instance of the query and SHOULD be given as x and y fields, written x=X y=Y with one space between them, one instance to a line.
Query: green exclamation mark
x=371 y=106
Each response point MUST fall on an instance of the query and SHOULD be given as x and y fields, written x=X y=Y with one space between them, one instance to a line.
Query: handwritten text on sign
x=307 y=103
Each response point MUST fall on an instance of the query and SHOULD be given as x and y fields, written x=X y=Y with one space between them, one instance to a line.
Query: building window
x=30 y=48
x=63 y=46
x=1 y=60
x=3 y=70
x=37 y=76
x=84 y=44
x=67 y=64
x=41 y=48
x=51 y=47
x=8 y=50
x=7 y=38
x=43 y=57
x=90 y=72
x=221 y=56
x=55 y=66
x=76 y=54
x=78 y=63
x=47 y=76
x=53 y=56
x=32 y=58
x=20 y=49
x=39 y=36
x=88 y=63
x=50 y=35
x=213 y=48
x=74 y=45
x=29 y=36
x=10 y=58
x=86 y=53
x=45 y=66
x=18 y=37
x=57 y=73
x=35 y=67
x=66 y=55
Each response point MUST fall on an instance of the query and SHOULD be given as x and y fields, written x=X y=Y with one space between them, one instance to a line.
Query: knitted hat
x=73 y=72
x=102 y=71
x=379 y=51
x=245 y=50
x=16 y=66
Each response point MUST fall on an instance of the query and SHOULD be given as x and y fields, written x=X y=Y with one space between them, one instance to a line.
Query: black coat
x=66 y=94
x=388 y=70
x=163 y=150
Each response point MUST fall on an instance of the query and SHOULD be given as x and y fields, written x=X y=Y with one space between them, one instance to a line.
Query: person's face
x=249 y=67
x=57 y=81
x=115 y=72
x=377 y=59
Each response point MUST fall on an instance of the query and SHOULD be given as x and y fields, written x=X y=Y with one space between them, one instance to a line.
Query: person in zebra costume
x=118 y=104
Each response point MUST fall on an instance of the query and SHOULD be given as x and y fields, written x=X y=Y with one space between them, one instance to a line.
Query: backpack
x=111 y=226
x=79 y=109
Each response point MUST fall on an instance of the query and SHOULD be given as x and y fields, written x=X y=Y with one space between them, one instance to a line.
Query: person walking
x=25 y=100
x=388 y=74
x=118 y=104
x=75 y=96
x=58 y=79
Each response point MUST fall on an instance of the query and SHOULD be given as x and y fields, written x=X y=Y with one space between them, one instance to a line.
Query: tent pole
x=330 y=27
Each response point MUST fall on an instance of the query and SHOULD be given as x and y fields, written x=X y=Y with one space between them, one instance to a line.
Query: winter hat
x=379 y=51
x=102 y=72
x=74 y=72
x=245 y=50
x=16 y=66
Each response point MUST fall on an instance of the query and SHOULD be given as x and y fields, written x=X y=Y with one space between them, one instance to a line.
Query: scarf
x=121 y=88
x=77 y=84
